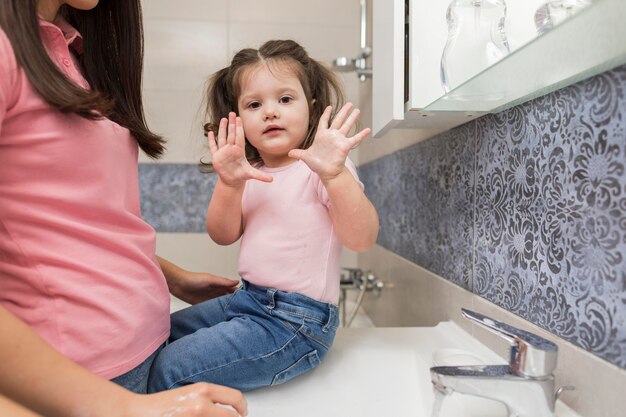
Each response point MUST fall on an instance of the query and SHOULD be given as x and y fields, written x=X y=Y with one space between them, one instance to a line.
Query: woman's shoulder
x=8 y=73
x=7 y=54
x=6 y=49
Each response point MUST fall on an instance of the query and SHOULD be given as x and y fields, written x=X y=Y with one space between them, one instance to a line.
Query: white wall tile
x=213 y=10
x=351 y=89
x=179 y=55
x=324 y=43
x=197 y=252
x=178 y=116
x=319 y=12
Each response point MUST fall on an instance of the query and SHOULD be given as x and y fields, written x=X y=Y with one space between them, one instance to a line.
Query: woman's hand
x=197 y=400
x=327 y=155
x=195 y=287
x=228 y=154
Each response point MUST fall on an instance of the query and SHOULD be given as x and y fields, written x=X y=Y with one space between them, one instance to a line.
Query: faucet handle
x=531 y=355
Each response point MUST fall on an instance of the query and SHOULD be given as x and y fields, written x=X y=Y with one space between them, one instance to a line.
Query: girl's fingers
x=239 y=134
x=255 y=174
x=221 y=133
x=341 y=116
x=297 y=153
x=356 y=139
x=232 y=129
x=324 y=119
x=212 y=144
x=350 y=121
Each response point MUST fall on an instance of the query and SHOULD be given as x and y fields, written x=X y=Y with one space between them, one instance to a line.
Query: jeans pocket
x=315 y=334
x=302 y=365
x=290 y=321
x=228 y=299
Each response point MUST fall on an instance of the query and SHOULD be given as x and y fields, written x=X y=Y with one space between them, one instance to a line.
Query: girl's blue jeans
x=252 y=338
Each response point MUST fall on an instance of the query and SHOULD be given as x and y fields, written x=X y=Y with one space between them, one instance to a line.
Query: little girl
x=304 y=202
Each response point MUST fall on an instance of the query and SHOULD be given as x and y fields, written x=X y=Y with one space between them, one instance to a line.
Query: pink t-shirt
x=289 y=242
x=77 y=262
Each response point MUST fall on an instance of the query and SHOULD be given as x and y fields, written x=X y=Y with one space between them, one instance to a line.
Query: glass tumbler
x=551 y=13
x=476 y=39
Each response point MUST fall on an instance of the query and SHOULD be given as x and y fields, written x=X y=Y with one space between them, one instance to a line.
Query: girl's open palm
x=327 y=155
x=228 y=154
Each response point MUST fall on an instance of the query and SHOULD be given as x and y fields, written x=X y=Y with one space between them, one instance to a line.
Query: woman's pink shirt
x=77 y=262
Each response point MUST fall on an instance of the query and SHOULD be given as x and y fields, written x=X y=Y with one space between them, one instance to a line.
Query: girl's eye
x=254 y=105
x=285 y=100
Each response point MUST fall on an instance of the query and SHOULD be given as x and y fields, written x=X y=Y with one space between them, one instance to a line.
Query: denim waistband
x=295 y=303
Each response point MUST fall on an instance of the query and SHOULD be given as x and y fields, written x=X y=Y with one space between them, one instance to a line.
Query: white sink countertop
x=374 y=372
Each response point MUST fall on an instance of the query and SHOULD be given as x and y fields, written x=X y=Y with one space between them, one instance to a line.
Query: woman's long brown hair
x=112 y=63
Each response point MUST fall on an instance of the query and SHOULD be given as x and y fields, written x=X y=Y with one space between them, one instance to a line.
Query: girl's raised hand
x=327 y=155
x=228 y=154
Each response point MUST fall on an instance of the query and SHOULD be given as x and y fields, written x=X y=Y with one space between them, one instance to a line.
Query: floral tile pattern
x=424 y=196
x=174 y=197
x=551 y=213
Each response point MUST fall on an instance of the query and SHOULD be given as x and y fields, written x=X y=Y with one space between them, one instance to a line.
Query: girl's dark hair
x=112 y=63
x=320 y=85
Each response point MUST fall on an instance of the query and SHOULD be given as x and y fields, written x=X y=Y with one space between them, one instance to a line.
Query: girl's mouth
x=272 y=128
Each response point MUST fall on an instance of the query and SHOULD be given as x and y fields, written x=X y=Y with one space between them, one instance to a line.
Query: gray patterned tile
x=174 y=197
x=551 y=191
x=424 y=197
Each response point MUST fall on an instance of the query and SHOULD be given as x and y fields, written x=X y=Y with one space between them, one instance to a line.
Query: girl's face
x=48 y=9
x=274 y=112
x=82 y=4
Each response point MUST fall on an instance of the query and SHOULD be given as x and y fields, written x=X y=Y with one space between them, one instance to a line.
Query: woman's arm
x=354 y=217
x=9 y=408
x=195 y=287
x=39 y=378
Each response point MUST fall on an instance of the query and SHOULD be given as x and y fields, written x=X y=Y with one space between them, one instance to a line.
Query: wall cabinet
x=409 y=37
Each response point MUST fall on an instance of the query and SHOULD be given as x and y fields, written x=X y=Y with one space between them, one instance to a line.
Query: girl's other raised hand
x=327 y=155
x=228 y=154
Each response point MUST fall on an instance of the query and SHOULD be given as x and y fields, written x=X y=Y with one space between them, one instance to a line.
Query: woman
x=78 y=269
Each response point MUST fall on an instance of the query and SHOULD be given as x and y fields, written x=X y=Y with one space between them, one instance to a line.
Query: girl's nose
x=270 y=113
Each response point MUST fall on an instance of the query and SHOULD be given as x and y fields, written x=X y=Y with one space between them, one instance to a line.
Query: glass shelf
x=591 y=42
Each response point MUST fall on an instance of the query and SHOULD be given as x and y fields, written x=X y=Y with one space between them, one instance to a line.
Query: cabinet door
x=388 y=65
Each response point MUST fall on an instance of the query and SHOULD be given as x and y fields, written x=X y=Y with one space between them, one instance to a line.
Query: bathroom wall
x=187 y=41
x=522 y=215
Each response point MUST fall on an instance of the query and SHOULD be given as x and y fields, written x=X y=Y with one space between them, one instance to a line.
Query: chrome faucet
x=525 y=385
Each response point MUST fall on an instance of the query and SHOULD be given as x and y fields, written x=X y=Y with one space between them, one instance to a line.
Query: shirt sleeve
x=321 y=190
x=8 y=73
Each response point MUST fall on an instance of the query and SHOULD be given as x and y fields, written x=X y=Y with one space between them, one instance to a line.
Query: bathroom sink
x=374 y=372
